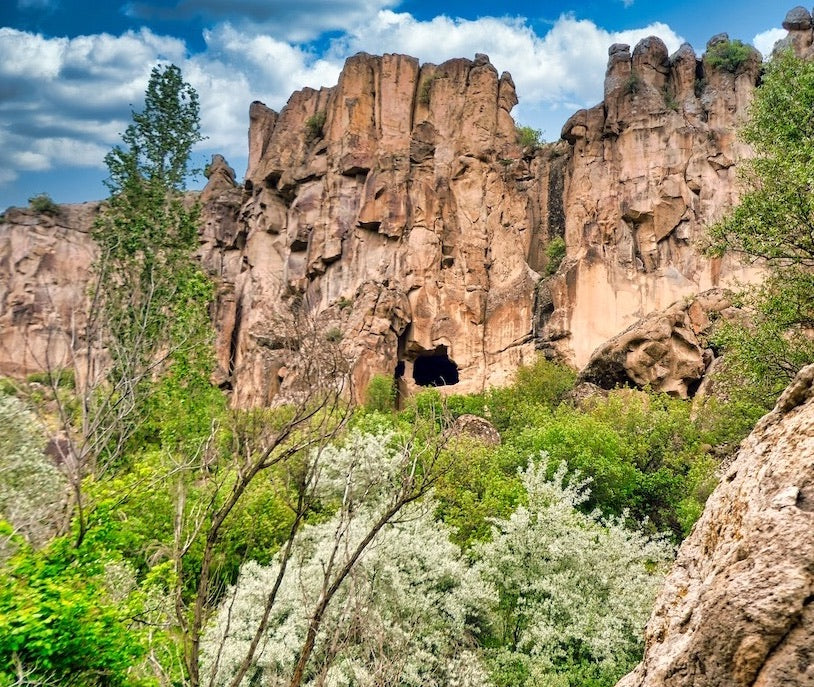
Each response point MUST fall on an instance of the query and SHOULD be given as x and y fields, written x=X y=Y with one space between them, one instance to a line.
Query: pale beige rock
x=649 y=169
x=664 y=351
x=44 y=275
x=737 y=609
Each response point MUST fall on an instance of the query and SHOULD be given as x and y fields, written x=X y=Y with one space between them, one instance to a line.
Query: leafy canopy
x=774 y=223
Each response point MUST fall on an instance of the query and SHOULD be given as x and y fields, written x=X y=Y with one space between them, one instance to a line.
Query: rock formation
x=737 y=608
x=650 y=166
x=397 y=215
x=44 y=275
x=399 y=212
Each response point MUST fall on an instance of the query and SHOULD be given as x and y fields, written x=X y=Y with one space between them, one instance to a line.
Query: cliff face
x=650 y=166
x=737 y=607
x=396 y=215
x=44 y=274
x=398 y=210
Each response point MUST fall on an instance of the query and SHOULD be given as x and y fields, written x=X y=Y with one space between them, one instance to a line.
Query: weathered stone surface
x=797 y=19
x=397 y=211
x=475 y=427
x=405 y=223
x=663 y=351
x=649 y=168
x=737 y=609
x=44 y=273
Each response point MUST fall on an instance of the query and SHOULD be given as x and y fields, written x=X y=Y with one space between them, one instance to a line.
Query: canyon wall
x=397 y=215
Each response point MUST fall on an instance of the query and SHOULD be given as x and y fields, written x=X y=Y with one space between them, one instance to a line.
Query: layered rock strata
x=738 y=606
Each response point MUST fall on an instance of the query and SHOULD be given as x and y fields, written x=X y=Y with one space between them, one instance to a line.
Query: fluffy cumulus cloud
x=64 y=102
x=765 y=40
x=293 y=21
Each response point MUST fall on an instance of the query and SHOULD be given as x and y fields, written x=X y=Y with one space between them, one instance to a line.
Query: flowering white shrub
x=406 y=613
x=573 y=588
x=32 y=489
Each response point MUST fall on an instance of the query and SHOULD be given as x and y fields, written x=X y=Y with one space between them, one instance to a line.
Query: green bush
x=528 y=137
x=555 y=252
x=633 y=84
x=424 y=89
x=728 y=55
x=381 y=394
x=315 y=125
x=43 y=203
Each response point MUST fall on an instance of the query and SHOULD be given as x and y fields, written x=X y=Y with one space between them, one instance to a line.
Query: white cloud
x=765 y=40
x=564 y=68
x=292 y=21
x=64 y=102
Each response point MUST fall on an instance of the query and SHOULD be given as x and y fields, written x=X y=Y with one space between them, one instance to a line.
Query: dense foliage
x=772 y=226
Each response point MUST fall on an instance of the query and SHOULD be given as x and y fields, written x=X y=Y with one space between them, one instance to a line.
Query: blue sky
x=70 y=69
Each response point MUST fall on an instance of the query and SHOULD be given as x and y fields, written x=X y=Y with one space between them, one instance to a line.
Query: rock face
x=738 y=607
x=397 y=211
x=44 y=274
x=395 y=217
x=665 y=350
x=649 y=167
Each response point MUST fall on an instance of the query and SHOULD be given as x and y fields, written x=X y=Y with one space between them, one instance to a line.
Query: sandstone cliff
x=737 y=609
x=397 y=214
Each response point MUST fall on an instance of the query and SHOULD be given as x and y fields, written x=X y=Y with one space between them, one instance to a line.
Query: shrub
x=633 y=84
x=333 y=335
x=670 y=101
x=315 y=125
x=574 y=590
x=555 y=251
x=528 y=137
x=699 y=86
x=43 y=203
x=728 y=55
x=381 y=394
x=424 y=89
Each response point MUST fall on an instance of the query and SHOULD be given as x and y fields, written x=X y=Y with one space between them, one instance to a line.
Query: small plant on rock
x=43 y=203
x=728 y=55
x=315 y=125
x=633 y=84
x=528 y=137
x=555 y=251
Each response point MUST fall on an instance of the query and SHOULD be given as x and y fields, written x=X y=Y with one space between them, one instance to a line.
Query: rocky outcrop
x=665 y=350
x=44 y=276
x=395 y=216
x=737 y=609
x=398 y=211
x=650 y=166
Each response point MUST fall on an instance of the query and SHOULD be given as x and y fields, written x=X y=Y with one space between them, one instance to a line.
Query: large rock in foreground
x=737 y=609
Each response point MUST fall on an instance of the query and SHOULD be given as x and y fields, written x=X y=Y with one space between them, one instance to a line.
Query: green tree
x=774 y=224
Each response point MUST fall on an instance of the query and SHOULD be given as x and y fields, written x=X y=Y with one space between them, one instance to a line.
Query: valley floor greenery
x=532 y=562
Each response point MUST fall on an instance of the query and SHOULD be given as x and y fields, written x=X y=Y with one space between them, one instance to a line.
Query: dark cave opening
x=435 y=369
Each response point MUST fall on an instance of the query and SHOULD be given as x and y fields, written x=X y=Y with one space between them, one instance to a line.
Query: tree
x=147 y=325
x=774 y=224
x=396 y=602
x=575 y=590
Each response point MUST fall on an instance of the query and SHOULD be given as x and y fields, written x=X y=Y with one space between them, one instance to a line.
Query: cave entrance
x=435 y=369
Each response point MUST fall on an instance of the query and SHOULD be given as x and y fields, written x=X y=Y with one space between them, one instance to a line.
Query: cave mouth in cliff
x=435 y=369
